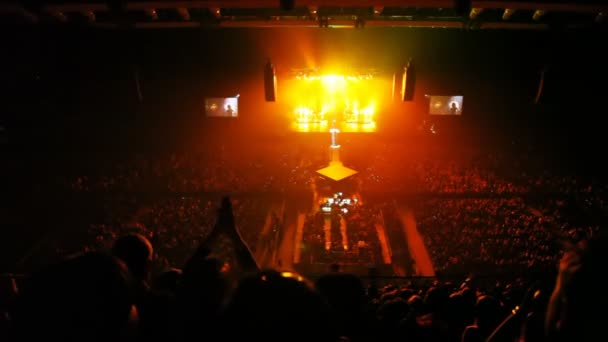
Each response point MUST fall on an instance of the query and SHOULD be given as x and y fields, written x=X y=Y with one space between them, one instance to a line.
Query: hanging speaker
x=270 y=83
x=118 y=12
x=408 y=82
x=462 y=7
x=287 y=5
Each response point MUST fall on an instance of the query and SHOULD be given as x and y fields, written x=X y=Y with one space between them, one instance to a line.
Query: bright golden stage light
x=322 y=101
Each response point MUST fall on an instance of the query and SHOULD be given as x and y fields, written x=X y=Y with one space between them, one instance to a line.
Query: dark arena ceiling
x=457 y=14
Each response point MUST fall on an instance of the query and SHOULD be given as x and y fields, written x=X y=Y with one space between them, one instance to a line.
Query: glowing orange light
x=321 y=101
x=291 y=275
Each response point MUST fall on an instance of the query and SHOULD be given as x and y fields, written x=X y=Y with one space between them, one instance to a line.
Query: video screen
x=222 y=107
x=445 y=105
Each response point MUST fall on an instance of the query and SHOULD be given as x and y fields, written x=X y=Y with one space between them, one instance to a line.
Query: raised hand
x=225 y=221
x=226 y=226
x=569 y=264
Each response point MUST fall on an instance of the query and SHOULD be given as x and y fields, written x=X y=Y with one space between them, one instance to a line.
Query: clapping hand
x=225 y=223
x=569 y=265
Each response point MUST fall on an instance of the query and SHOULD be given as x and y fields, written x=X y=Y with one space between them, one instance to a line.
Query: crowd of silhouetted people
x=167 y=267
x=495 y=235
x=113 y=295
x=395 y=168
x=175 y=226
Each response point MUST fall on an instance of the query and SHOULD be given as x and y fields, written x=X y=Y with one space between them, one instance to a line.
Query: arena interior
x=340 y=170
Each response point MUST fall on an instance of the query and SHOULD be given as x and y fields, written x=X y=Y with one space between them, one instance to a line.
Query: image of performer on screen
x=229 y=110
x=454 y=108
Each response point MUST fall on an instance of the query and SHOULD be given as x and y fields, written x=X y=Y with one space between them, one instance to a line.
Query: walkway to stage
x=423 y=266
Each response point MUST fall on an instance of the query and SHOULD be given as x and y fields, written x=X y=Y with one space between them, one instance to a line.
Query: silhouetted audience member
x=432 y=321
x=84 y=298
x=526 y=320
x=273 y=306
x=105 y=297
x=347 y=301
x=167 y=281
x=9 y=292
x=577 y=309
x=488 y=314
x=199 y=294
x=136 y=251
x=389 y=316
x=533 y=327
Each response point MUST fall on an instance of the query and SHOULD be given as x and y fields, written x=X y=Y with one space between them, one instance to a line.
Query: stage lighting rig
x=287 y=5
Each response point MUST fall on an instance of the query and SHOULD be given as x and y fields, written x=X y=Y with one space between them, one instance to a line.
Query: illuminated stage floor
x=323 y=127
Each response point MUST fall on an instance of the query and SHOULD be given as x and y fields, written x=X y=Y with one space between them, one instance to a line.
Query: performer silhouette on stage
x=454 y=108
x=229 y=110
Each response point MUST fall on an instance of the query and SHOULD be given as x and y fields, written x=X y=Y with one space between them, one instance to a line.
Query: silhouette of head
x=586 y=312
x=135 y=250
x=437 y=299
x=275 y=306
x=167 y=281
x=85 y=297
x=488 y=312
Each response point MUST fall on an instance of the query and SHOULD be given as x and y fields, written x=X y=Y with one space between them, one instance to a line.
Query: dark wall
x=82 y=84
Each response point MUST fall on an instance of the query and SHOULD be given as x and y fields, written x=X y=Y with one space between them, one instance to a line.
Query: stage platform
x=324 y=127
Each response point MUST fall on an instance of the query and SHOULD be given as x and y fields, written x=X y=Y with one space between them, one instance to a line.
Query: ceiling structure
x=457 y=14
